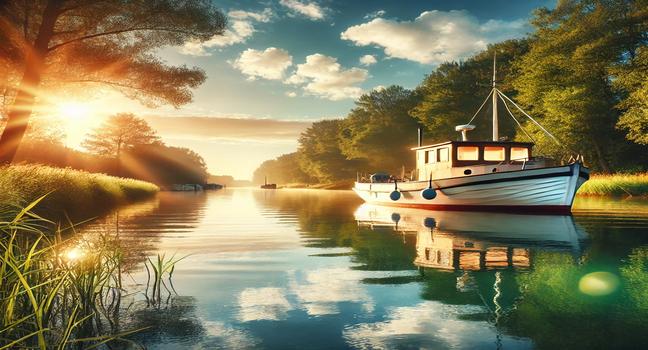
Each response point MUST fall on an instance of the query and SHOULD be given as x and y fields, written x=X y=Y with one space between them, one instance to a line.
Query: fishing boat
x=267 y=186
x=493 y=175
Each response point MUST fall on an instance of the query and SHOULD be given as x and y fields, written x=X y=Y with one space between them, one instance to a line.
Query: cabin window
x=519 y=153
x=430 y=156
x=494 y=153
x=443 y=155
x=467 y=153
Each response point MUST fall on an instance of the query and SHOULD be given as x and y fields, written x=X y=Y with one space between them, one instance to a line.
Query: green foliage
x=632 y=81
x=453 y=92
x=380 y=131
x=284 y=169
x=581 y=74
x=564 y=79
x=76 y=193
x=320 y=155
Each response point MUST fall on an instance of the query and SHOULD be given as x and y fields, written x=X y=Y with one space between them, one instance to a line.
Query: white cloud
x=368 y=60
x=270 y=63
x=324 y=77
x=437 y=325
x=263 y=304
x=291 y=94
x=219 y=335
x=239 y=30
x=434 y=36
x=311 y=10
x=263 y=16
x=379 y=87
x=323 y=289
x=375 y=14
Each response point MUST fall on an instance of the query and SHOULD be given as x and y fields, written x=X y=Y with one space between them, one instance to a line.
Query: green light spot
x=598 y=283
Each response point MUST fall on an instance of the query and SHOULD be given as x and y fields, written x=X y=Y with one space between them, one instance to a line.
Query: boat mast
x=494 y=92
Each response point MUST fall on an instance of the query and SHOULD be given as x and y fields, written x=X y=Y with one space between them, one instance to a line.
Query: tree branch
x=119 y=31
x=110 y=83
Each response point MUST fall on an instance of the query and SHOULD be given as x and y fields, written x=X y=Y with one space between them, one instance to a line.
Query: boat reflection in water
x=472 y=241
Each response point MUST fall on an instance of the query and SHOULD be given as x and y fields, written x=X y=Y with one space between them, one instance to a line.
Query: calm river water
x=318 y=269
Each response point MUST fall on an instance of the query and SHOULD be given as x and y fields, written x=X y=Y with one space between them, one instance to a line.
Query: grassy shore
x=69 y=192
x=616 y=185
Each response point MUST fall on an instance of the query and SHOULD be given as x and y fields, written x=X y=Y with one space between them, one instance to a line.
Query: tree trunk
x=605 y=167
x=21 y=109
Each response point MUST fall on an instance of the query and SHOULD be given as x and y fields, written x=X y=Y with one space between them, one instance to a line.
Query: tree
x=284 y=169
x=72 y=43
x=380 y=131
x=122 y=131
x=320 y=156
x=564 y=79
x=632 y=82
x=453 y=92
x=164 y=165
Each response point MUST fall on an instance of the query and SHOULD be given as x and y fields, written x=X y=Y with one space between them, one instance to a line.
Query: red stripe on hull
x=526 y=209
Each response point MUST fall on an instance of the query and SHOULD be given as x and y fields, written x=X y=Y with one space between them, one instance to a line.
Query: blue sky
x=301 y=35
x=307 y=60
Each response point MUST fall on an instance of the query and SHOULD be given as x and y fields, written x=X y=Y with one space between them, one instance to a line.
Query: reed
x=616 y=185
x=160 y=267
x=70 y=191
x=53 y=295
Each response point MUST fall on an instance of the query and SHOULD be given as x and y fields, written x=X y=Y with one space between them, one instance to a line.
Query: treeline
x=583 y=74
x=124 y=146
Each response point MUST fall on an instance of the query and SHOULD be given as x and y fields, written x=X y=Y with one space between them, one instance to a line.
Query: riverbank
x=77 y=194
x=598 y=185
x=339 y=185
x=616 y=185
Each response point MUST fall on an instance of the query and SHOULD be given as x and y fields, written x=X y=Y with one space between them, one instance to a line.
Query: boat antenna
x=494 y=93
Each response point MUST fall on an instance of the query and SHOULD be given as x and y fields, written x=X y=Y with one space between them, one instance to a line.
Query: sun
x=73 y=110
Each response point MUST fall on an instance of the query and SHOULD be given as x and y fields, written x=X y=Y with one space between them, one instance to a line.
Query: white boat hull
x=537 y=190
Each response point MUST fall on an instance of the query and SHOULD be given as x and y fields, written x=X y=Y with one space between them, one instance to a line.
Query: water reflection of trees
x=528 y=283
x=520 y=272
x=326 y=221
x=136 y=229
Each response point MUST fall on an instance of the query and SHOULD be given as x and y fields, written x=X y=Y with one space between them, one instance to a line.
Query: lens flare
x=74 y=254
x=598 y=283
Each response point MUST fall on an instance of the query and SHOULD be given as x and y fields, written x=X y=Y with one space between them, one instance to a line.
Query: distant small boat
x=496 y=175
x=267 y=186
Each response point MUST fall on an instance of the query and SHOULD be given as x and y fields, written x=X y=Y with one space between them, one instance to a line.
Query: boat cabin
x=464 y=158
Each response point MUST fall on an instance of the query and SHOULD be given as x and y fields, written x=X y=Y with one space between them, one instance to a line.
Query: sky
x=283 y=64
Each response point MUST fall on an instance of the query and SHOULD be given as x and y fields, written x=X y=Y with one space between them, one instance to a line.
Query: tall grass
x=51 y=296
x=616 y=185
x=69 y=191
